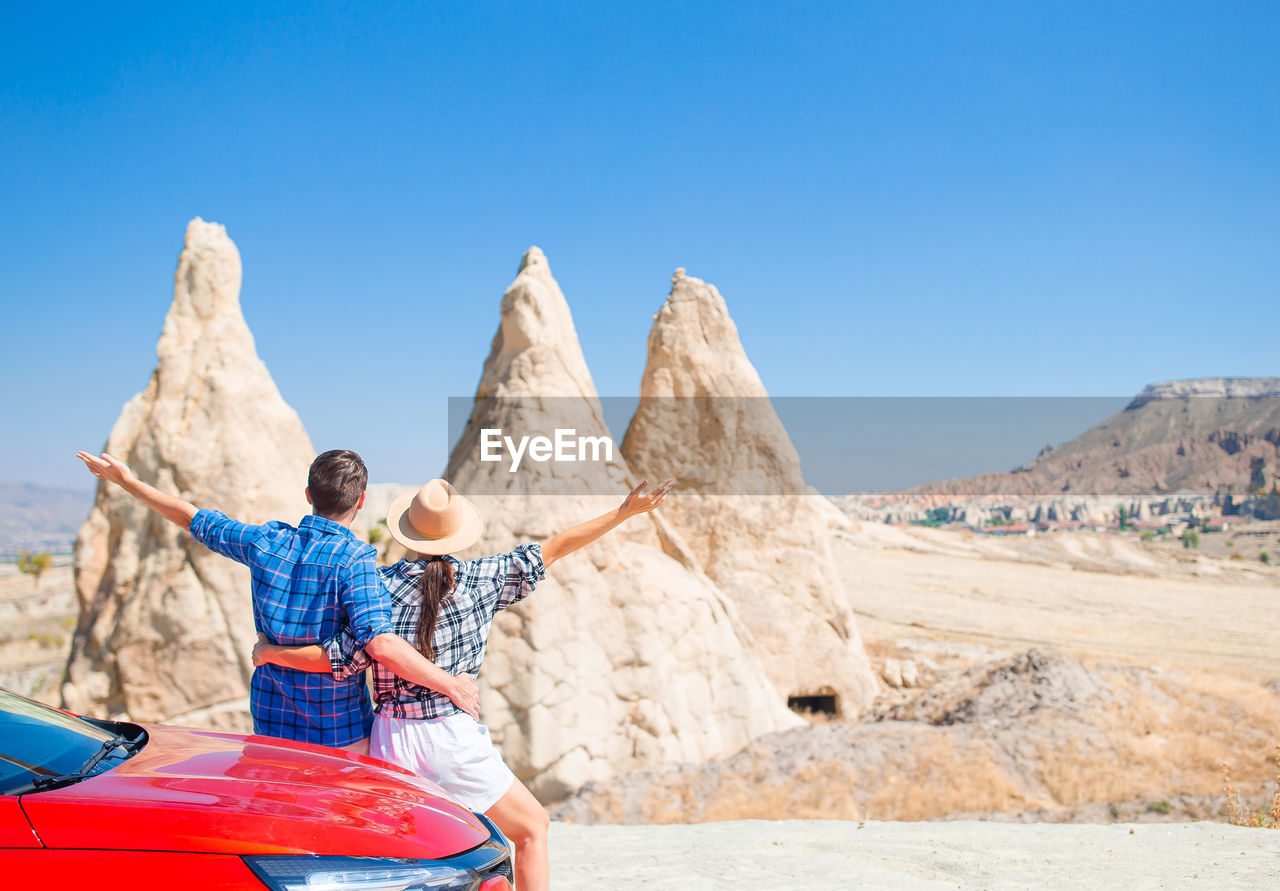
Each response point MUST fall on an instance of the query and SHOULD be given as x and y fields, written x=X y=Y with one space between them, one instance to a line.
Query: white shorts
x=454 y=752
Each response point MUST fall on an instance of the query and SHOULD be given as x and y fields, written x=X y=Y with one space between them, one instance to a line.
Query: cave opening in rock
x=821 y=705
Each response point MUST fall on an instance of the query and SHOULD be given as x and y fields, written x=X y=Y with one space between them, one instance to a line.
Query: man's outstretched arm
x=171 y=507
x=584 y=533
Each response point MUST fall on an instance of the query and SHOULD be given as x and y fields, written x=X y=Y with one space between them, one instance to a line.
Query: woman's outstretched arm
x=638 y=502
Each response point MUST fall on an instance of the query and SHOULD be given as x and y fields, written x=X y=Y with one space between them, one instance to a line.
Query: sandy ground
x=1090 y=595
x=797 y=854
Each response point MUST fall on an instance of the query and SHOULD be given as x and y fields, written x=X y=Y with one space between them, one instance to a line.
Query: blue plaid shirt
x=309 y=583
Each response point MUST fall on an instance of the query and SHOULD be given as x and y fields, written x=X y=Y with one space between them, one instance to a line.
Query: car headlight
x=483 y=867
x=318 y=873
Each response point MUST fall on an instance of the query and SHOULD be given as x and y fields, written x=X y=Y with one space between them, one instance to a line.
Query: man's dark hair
x=336 y=481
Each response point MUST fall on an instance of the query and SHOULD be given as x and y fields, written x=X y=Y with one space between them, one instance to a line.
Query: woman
x=446 y=607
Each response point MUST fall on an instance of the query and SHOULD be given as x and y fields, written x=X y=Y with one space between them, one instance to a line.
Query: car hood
x=196 y=790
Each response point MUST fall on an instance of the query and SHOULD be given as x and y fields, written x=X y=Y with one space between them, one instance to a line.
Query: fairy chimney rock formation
x=624 y=657
x=742 y=505
x=166 y=625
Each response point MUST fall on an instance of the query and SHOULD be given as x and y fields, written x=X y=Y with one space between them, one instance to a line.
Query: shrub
x=1264 y=557
x=1190 y=538
x=1269 y=819
x=934 y=516
x=34 y=564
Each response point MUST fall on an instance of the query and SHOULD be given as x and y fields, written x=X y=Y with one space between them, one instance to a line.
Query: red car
x=87 y=803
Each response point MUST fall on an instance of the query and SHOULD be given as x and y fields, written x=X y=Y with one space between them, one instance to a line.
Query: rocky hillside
x=1035 y=736
x=1201 y=435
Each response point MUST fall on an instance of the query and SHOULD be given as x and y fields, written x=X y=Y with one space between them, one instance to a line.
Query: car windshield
x=39 y=741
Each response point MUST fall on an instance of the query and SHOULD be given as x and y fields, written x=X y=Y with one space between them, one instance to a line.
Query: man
x=308 y=583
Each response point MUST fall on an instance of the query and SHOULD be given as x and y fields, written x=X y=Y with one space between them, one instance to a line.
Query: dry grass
x=942 y=776
x=817 y=791
x=1259 y=819
x=939 y=775
x=1076 y=773
x=1170 y=739
x=1154 y=738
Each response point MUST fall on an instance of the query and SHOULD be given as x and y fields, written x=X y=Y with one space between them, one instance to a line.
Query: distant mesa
x=1179 y=448
x=1199 y=435
x=1218 y=387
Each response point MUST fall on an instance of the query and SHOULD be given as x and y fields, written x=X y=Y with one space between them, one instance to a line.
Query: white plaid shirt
x=482 y=587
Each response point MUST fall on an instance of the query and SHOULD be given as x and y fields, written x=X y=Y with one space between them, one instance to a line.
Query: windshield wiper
x=87 y=770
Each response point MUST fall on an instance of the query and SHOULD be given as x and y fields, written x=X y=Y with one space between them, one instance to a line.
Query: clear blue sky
x=895 y=198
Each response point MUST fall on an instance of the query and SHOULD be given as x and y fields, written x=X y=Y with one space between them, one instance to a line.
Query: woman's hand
x=262 y=650
x=640 y=502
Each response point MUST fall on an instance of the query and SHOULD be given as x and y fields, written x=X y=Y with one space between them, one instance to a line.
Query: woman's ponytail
x=437 y=584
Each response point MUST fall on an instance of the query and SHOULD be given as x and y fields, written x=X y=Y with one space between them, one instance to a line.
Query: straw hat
x=434 y=520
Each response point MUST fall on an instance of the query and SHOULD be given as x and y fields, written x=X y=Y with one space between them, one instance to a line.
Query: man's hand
x=638 y=502
x=171 y=507
x=399 y=657
x=107 y=468
x=465 y=694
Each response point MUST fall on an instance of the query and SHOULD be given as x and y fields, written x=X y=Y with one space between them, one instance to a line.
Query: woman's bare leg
x=525 y=823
